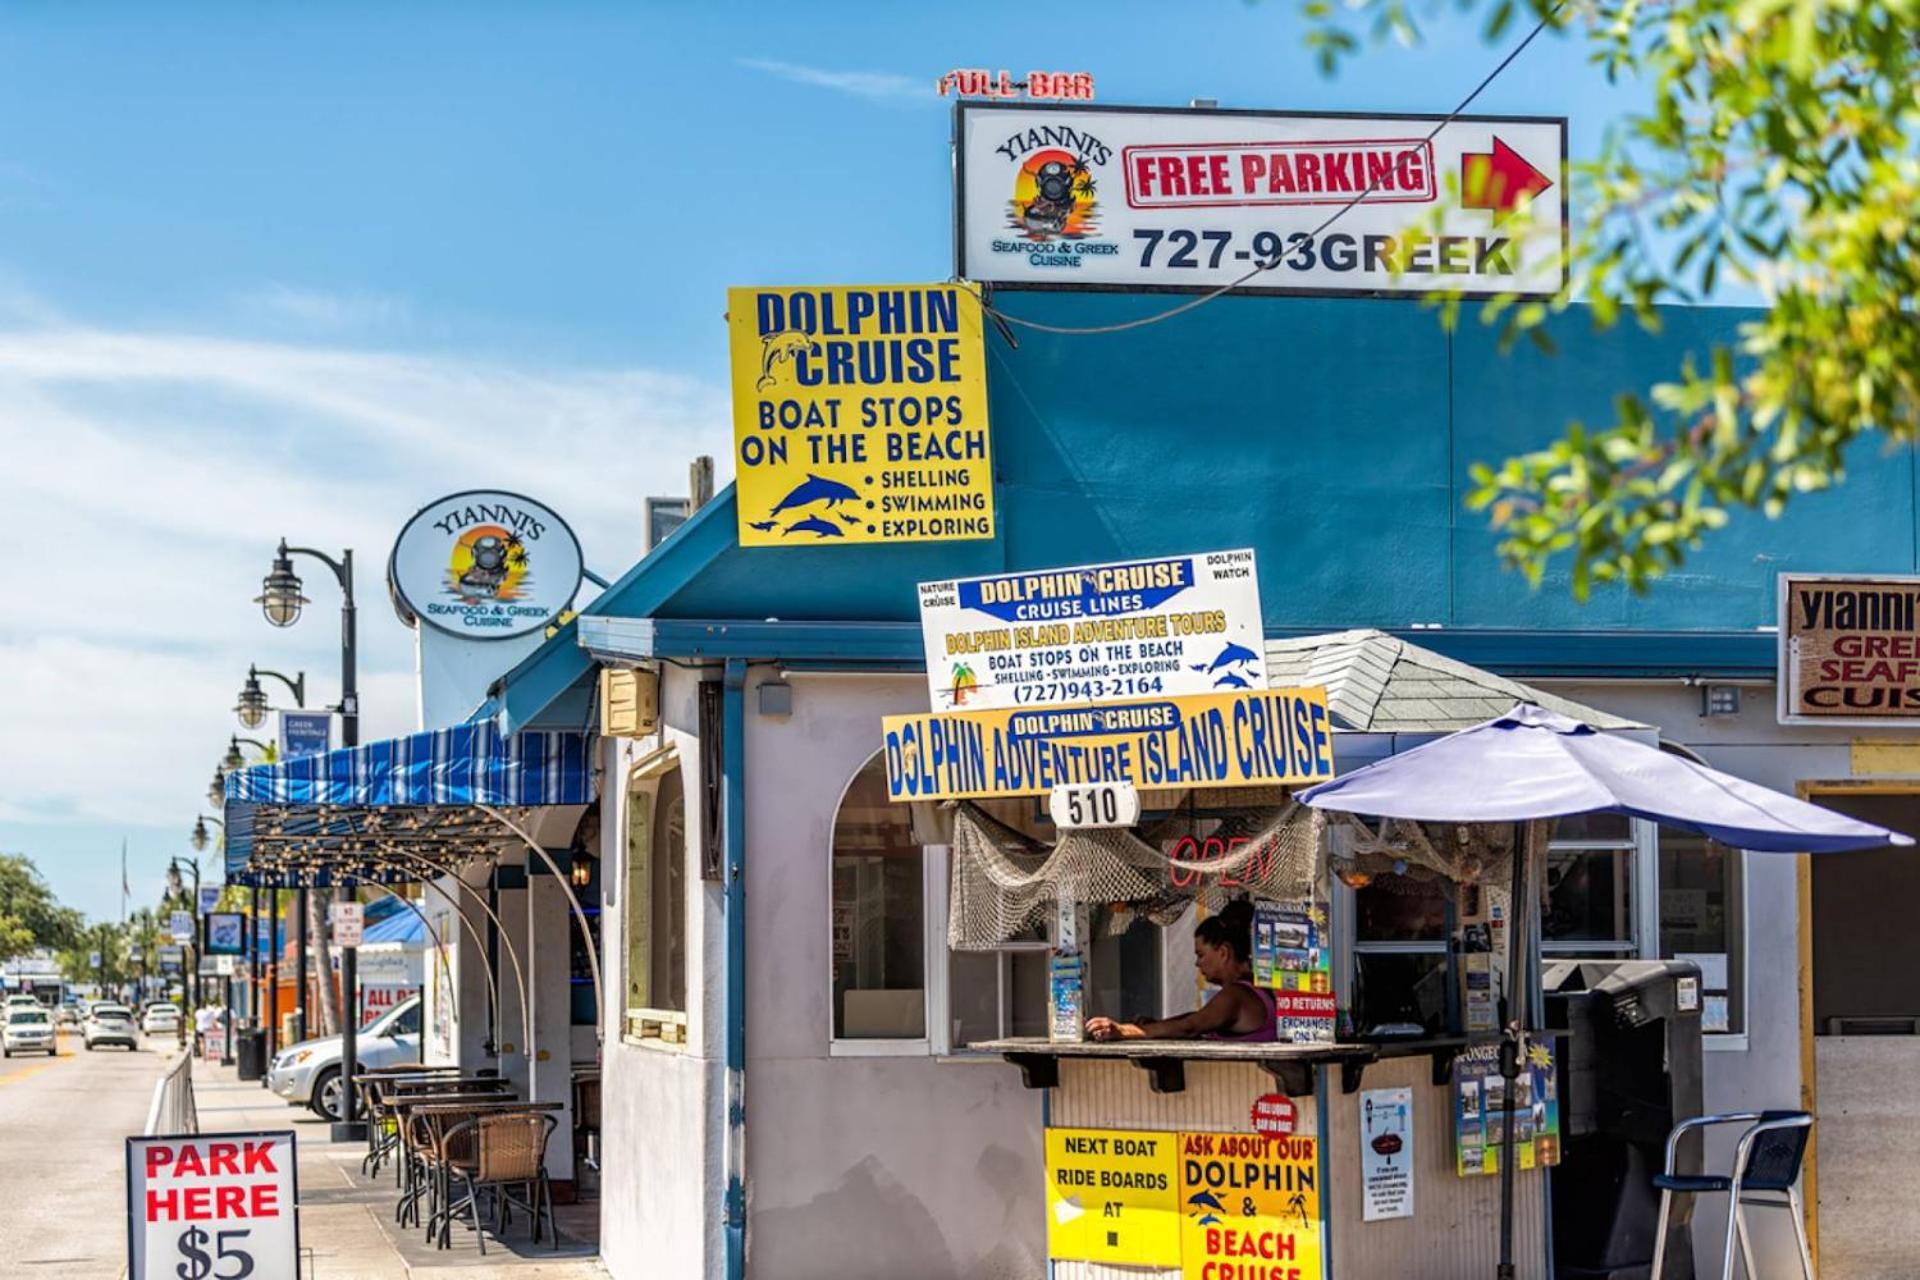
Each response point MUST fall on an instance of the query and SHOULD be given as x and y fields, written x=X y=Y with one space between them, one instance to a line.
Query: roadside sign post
x=213 y=1206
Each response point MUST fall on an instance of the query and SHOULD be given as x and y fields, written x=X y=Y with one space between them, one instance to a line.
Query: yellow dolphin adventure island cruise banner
x=1247 y=737
x=859 y=415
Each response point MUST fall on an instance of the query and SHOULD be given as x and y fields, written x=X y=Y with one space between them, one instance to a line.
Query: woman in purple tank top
x=1223 y=952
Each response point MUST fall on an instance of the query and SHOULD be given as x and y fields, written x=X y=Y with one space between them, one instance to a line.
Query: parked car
x=309 y=1072
x=28 y=1031
x=161 y=1019
x=109 y=1024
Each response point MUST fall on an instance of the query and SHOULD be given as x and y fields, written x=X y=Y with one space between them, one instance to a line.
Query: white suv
x=28 y=1031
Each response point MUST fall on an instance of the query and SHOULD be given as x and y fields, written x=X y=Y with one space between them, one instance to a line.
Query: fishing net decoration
x=1004 y=883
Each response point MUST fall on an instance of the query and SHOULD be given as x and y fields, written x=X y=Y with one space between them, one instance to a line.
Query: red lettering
x=1280 y=174
x=260 y=1157
x=161 y=1208
x=1173 y=181
x=159 y=1155
x=228 y=1201
x=1217 y=174
x=223 y=1157
x=197 y=1202
x=1143 y=175
x=1253 y=168
x=1308 y=166
x=189 y=1163
x=266 y=1200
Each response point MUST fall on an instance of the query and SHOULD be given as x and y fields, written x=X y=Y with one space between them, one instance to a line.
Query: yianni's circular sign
x=485 y=565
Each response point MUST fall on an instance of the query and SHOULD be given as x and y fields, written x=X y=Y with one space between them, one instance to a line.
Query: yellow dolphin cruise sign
x=1257 y=737
x=859 y=415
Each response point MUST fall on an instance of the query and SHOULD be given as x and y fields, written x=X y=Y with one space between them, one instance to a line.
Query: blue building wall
x=1332 y=435
x=1335 y=437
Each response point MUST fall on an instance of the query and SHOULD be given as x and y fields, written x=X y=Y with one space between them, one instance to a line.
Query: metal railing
x=172 y=1109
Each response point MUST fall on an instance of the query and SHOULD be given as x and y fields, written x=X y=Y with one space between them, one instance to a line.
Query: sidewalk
x=346 y=1220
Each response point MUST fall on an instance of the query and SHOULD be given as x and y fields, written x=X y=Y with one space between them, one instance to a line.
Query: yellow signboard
x=860 y=415
x=1250 y=1207
x=1246 y=737
x=1113 y=1196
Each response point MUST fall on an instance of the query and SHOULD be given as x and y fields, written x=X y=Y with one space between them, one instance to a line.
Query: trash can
x=252 y=1055
x=1629 y=1070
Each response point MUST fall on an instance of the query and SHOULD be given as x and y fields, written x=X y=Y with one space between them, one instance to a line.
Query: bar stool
x=1766 y=1165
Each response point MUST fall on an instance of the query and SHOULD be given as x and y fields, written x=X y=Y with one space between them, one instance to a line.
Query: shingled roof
x=1377 y=683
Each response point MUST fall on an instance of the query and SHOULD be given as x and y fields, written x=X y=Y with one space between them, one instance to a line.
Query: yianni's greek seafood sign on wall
x=1078 y=196
x=485 y=565
x=1094 y=633
x=859 y=415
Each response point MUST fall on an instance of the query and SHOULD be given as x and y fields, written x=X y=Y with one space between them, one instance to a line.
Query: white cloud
x=877 y=86
x=146 y=477
x=319 y=309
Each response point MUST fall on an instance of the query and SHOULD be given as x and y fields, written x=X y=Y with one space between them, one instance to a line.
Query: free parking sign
x=213 y=1206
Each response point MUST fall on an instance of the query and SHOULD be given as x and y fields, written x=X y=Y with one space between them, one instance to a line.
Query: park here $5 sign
x=859 y=415
x=213 y=1206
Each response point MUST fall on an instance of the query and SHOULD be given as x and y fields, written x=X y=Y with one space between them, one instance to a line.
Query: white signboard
x=1078 y=196
x=1094 y=633
x=485 y=565
x=209 y=897
x=1087 y=805
x=182 y=926
x=1386 y=1153
x=212 y=1206
x=349 y=923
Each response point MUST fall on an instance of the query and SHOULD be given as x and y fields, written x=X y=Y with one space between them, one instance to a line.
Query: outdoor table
x=1210 y=1087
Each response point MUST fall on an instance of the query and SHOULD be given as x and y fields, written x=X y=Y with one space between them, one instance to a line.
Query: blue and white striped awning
x=469 y=764
x=351 y=814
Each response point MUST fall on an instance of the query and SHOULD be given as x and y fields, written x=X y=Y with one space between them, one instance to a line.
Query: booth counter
x=1450 y=1226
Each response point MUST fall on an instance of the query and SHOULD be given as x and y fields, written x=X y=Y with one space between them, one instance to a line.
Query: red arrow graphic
x=1498 y=179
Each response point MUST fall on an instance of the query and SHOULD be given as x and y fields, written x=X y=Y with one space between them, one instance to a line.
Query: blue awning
x=403 y=927
x=363 y=813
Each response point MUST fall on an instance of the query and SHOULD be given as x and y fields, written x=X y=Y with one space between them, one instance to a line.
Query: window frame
x=644 y=1025
x=932 y=977
x=1643 y=879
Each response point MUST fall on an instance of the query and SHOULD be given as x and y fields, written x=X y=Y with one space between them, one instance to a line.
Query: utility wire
x=1269 y=264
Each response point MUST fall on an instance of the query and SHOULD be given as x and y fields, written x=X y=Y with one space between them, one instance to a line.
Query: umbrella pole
x=1510 y=1042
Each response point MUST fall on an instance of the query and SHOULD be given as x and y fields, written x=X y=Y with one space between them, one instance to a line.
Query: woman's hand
x=1108 y=1029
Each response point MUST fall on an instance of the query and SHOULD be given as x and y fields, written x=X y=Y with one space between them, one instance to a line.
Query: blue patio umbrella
x=1532 y=764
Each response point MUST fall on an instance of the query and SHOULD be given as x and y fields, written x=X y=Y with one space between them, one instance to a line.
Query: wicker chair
x=508 y=1154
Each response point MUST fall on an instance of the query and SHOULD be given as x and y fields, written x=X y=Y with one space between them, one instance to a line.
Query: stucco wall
x=662 y=1108
x=861 y=1168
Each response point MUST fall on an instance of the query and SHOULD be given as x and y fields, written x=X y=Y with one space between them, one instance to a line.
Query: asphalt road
x=64 y=1122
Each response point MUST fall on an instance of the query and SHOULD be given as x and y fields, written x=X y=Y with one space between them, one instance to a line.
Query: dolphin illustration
x=849 y=519
x=1206 y=1200
x=815 y=525
x=776 y=347
x=1207 y=1220
x=814 y=489
x=764 y=526
x=1230 y=655
x=1231 y=681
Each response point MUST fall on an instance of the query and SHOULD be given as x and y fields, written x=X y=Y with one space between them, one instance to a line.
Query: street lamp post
x=281 y=601
x=190 y=972
x=252 y=706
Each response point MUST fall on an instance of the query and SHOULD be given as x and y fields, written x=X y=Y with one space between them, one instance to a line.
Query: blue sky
x=267 y=269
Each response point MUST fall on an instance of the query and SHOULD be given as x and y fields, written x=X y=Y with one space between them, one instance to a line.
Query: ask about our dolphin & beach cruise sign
x=859 y=415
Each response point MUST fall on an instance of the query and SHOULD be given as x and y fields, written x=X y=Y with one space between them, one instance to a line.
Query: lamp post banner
x=1084 y=197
